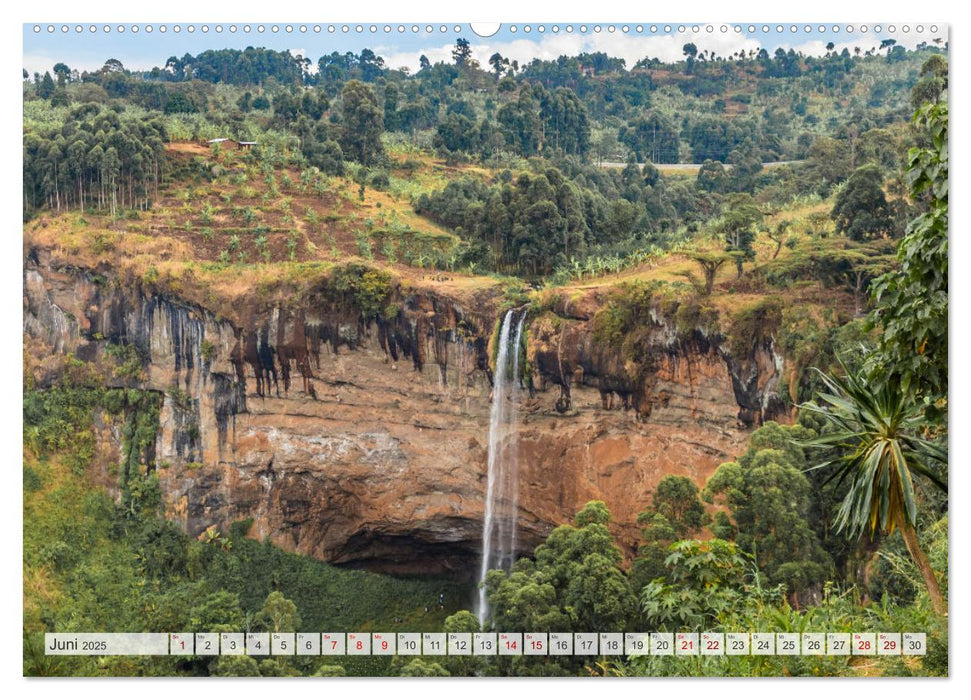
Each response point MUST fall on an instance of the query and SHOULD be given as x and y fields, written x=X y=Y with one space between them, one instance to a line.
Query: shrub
x=754 y=324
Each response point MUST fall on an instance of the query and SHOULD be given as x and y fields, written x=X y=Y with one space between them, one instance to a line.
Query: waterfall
x=511 y=491
x=502 y=489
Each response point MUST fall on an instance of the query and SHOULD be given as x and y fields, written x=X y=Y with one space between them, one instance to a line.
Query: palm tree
x=878 y=448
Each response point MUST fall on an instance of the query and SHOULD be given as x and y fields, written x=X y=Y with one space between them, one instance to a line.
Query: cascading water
x=512 y=446
x=502 y=490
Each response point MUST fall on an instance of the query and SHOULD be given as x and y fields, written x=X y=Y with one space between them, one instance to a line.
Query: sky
x=144 y=45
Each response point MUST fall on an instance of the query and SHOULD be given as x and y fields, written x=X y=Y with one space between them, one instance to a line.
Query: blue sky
x=143 y=49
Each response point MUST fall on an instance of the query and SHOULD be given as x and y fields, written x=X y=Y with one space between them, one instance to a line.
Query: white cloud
x=39 y=63
x=394 y=58
x=312 y=67
x=632 y=47
x=817 y=47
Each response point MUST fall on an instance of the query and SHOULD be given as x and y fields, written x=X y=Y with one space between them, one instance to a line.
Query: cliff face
x=365 y=444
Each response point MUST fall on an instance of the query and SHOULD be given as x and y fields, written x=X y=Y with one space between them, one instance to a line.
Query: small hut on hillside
x=225 y=144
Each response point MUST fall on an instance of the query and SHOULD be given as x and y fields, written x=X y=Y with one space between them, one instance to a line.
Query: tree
x=911 y=302
x=521 y=123
x=278 y=614
x=330 y=671
x=746 y=161
x=325 y=155
x=676 y=498
x=392 y=98
x=690 y=51
x=63 y=73
x=456 y=133
x=652 y=138
x=828 y=162
x=710 y=262
x=422 y=668
x=97 y=159
x=462 y=52
x=932 y=84
x=861 y=211
x=676 y=513
x=768 y=498
x=462 y=621
x=46 y=86
x=566 y=124
x=180 y=103
x=235 y=666
x=703 y=584
x=362 y=124
x=113 y=65
x=371 y=65
x=498 y=63
x=778 y=236
x=60 y=98
x=219 y=608
x=712 y=176
x=738 y=223
x=574 y=582
x=657 y=535
x=876 y=433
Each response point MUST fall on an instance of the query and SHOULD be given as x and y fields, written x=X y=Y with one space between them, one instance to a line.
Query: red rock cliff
x=365 y=443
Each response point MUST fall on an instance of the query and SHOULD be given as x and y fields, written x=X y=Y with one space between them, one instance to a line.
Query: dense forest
x=552 y=123
x=748 y=176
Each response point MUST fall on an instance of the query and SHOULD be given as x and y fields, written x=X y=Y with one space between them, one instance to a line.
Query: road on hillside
x=688 y=167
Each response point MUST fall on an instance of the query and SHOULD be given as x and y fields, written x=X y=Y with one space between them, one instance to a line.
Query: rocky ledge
x=363 y=442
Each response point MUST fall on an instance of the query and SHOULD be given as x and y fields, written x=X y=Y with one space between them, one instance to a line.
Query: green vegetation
x=93 y=159
x=535 y=222
x=753 y=324
x=94 y=563
x=883 y=415
x=768 y=499
x=362 y=182
x=781 y=556
x=861 y=209
x=626 y=314
x=364 y=289
x=738 y=226
x=880 y=451
x=677 y=513
x=911 y=302
x=712 y=585
x=528 y=201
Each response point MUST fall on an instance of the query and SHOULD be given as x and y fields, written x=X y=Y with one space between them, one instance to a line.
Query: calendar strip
x=487 y=644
